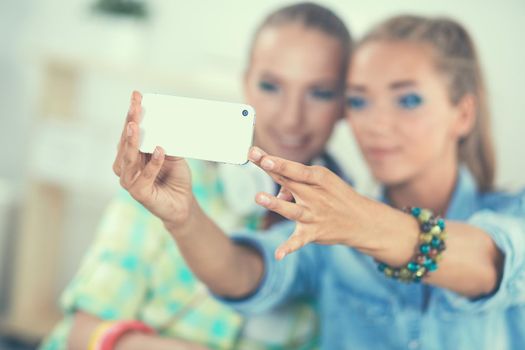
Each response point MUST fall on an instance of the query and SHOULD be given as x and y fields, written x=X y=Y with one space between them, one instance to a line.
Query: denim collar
x=465 y=196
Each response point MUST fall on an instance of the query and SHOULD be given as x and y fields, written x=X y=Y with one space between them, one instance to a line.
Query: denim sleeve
x=508 y=233
x=296 y=275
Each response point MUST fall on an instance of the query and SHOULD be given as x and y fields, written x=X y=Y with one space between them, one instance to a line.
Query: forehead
x=381 y=61
x=295 y=52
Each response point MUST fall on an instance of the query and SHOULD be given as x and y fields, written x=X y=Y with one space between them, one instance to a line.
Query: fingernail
x=267 y=164
x=156 y=153
x=255 y=154
x=263 y=199
x=130 y=130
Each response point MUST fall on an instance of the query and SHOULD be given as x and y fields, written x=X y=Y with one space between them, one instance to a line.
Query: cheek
x=423 y=137
x=352 y=122
x=414 y=132
x=322 y=131
x=357 y=126
x=417 y=145
x=322 y=118
x=267 y=107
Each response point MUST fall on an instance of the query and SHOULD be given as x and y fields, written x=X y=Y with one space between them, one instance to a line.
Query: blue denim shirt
x=361 y=309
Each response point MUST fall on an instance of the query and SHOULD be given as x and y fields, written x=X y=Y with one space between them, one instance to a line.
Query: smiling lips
x=381 y=153
x=291 y=142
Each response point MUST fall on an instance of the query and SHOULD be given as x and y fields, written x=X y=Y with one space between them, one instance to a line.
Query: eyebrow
x=357 y=88
x=402 y=84
x=322 y=83
x=268 y=75
x=393 y=86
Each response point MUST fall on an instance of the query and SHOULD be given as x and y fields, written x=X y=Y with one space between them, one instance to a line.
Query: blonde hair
x=456 y=57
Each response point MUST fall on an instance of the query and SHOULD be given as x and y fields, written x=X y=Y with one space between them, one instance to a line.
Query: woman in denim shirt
x=418 y=110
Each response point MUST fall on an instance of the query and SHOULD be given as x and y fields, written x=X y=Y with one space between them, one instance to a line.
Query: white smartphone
x=196 y=128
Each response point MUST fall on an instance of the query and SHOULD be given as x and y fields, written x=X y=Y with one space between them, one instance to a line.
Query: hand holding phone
x=162 y=184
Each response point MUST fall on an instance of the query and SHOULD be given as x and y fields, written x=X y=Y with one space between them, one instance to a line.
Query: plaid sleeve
x=112 y=280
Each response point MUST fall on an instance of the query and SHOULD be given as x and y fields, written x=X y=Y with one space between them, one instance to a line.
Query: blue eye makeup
x=410 y=101
x=356 y=102
x=323 y=94
x=267 y=86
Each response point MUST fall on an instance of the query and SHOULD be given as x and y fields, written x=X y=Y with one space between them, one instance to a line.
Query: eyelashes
x=356 y=102
x=323 y=94
x=268 y=87
x=410 y=101
x=317 y=93
x=407 y=101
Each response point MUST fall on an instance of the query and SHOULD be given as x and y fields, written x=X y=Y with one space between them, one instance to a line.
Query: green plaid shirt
x=133 y=270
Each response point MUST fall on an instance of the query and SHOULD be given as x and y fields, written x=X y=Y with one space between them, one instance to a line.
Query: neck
x=431 y=189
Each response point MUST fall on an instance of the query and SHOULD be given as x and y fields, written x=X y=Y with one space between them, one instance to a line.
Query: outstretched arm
x=328 y=211
x=162 y=184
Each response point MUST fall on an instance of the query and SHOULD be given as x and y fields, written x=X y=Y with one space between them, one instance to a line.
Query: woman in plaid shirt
x=134 y=270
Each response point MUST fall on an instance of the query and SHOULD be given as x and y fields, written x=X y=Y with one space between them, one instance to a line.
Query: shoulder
x=512 y=203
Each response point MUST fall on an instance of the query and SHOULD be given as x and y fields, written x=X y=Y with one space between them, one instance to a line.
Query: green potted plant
x=125 y=8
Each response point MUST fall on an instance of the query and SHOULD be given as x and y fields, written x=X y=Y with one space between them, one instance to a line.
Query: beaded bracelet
x=432 y=244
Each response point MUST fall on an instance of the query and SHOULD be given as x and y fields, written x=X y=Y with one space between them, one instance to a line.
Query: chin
x=296 y=156
x=302 y=155
x=389 y=177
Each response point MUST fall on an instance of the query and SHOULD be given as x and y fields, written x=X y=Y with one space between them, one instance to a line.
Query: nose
x=380 y=121
x=292 y=116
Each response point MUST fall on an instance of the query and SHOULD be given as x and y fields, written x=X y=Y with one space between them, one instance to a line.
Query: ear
x=466 y=116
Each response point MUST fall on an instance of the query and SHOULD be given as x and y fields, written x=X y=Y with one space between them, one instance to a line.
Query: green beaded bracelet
x=432 y=244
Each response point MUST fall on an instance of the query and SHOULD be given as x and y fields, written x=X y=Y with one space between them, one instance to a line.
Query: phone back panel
x=197 y=128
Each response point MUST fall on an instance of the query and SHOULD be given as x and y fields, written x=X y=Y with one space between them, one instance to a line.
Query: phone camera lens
x=244 y=112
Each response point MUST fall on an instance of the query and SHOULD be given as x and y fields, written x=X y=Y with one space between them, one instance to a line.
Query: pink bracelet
x=112 y=335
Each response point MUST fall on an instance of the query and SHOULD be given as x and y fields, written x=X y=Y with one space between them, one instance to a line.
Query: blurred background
x=67 y=69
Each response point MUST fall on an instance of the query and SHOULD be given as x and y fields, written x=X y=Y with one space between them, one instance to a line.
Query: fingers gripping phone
x=196 y=128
